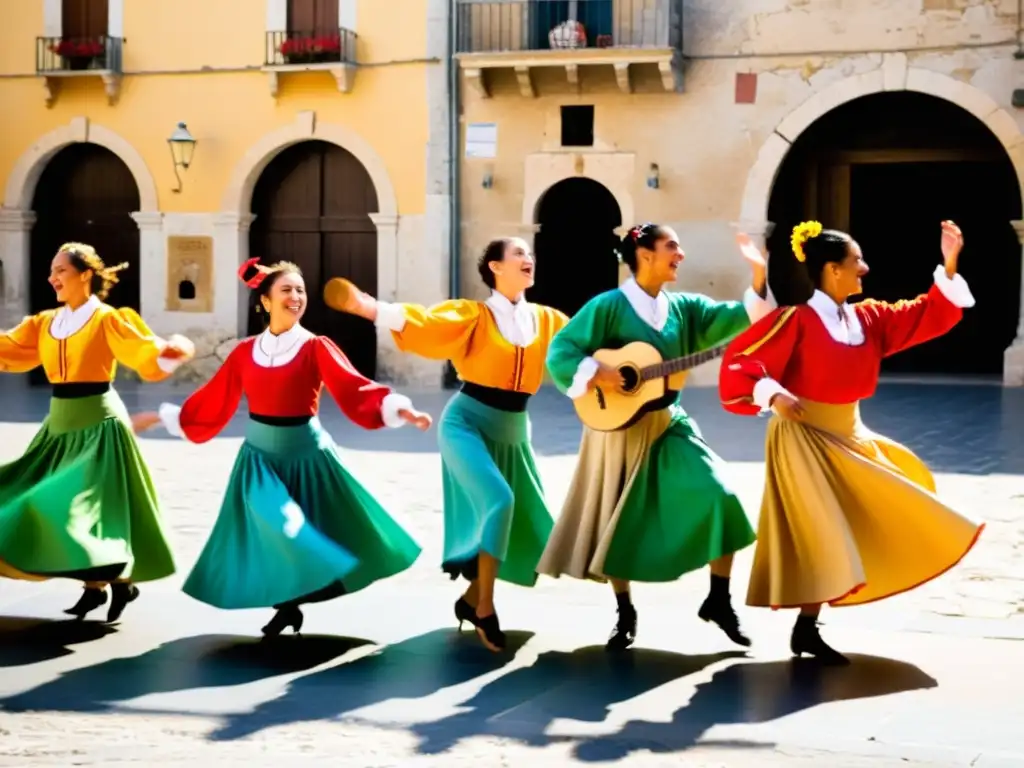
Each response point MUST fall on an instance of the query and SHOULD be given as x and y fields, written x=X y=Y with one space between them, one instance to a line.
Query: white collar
x=652 y=310
x=840 y=320
x=68 y=321
x=272 y=351
x=516 y=322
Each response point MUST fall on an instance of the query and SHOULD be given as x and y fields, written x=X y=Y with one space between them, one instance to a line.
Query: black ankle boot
x=286 y=616
x=489 y=631
x=121 y=595
x=806 y=639
x=624 y=634
x=717 y=609
x=465 y=612
x=91 y=599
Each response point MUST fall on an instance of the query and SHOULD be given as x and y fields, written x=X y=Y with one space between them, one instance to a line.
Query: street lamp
x=182 y=145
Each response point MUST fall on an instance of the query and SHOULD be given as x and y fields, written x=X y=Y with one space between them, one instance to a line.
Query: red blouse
x=792 y=346
x=288 y=390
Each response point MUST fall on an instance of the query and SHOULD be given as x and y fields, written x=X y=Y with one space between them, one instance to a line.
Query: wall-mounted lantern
x=654 y=176
x=488 y=180
x=183 y=146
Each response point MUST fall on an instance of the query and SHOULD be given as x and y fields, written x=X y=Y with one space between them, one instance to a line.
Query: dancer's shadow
x=757 y=693
x=580 y=685
x=411 y=669
x=205 y=661
x=25 y=641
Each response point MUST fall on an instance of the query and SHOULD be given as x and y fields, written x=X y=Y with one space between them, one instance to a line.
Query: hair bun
x=802 y=232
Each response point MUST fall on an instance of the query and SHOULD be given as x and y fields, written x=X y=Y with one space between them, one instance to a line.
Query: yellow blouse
x=466 y=333
x=90 y=354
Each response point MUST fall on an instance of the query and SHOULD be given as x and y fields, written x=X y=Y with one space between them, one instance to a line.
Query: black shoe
x=284 y=618
x=807 y=639
x=121 y=595
x=464 y=612
x=624 y=634
x=489 y=632
x=720 y=612
x=91 y=599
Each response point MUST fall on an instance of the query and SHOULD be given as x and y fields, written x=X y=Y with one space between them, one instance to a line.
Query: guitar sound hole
x=630 y=378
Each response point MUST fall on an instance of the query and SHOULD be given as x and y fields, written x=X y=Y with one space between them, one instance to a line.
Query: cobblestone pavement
x=385 y=680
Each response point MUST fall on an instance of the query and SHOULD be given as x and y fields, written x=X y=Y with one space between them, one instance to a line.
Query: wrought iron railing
x=531 y=25
x=71 y=54
x=299 y=47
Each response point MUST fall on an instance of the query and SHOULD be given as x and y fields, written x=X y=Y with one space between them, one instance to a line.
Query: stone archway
x=894 y=74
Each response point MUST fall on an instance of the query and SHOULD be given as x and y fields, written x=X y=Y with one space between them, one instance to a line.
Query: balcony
x=295 y=51
x=526 y=35
x=62 y=57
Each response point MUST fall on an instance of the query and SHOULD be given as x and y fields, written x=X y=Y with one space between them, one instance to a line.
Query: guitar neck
x=684 y=363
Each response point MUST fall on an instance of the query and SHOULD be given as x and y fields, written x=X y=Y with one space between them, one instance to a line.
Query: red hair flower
x=258 y=277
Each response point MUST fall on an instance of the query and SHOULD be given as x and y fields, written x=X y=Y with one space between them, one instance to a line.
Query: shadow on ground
x=25 y=641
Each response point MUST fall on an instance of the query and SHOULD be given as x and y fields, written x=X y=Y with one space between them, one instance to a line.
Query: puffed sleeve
x=135 y=346
x=755 y=363
x=364 y=401
x=208 y=410
x=19 y=347
x=899 y=326
x=569 y=358
x=710 y=322
x=440 y=332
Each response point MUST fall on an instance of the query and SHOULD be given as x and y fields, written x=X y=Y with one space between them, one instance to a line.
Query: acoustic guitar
x=646 y=376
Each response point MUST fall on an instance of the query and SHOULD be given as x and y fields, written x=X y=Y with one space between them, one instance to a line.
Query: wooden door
x=84 y=18
x=312 y=17
x=312 y=207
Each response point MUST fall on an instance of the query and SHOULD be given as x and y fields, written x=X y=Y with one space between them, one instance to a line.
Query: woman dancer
x=495 y=520
x=80 y=503
x=294 y=527
x=648 y=503
x=848 y=516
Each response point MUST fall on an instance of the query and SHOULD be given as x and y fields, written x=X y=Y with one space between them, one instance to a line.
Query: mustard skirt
x=848 y=516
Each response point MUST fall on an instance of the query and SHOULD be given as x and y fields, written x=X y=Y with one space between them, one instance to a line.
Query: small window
x=578 y=126
x=186 y=290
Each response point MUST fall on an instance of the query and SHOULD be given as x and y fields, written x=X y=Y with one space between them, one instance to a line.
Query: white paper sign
x=482 y=140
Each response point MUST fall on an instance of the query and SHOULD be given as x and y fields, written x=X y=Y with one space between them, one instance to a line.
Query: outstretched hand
x=342 y=295
x=145 y=421
x=178 y=348
x=952 y=244
x=418 y=419
x=757 y=261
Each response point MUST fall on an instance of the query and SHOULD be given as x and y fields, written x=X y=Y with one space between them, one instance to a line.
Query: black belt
x=280 y=421
x=502 y=399
x=75 y=389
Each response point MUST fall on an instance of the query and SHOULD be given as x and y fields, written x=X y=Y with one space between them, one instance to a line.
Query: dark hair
x=495 y=251
x=830 y=247
x=83 y=257
x=270 y=276
x=641 y=236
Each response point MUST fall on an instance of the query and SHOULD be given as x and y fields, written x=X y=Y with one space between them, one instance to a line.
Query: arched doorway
x=312 y=204
x=575 y=244
x=85 y=194
x=888 y=168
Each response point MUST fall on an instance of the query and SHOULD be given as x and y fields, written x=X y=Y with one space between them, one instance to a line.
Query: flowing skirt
x=646 y=503
x=848 y=516
x=80 y=502
x=295 y=526
x=493 y=498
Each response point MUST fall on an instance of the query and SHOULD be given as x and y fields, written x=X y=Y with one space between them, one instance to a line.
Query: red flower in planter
x=79 y=49
x=308 y=46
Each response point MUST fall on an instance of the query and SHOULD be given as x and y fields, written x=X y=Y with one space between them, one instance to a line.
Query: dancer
x=495 y=519
x=648 y=503
x=848 y=516
x=294 y=527
x=80 y=503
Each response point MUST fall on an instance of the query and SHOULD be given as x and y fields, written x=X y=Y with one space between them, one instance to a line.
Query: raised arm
x=568 y=359
x=441 y=332
x=19 y=347
x=755 y=363
x=710 y=322
x=208 y=410
x=364 y=401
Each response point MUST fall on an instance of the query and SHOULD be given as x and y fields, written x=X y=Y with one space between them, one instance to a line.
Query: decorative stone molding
x=615 y=171
x=149 y=220
x=15 y=220
x=240 y=222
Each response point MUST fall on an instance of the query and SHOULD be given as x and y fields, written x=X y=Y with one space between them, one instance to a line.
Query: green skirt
x=80 y=502
x=493 y=498
x=295 y=526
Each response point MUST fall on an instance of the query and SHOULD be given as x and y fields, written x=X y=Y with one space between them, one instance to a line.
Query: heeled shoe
x=489 y=632
x=807 y=639
x=91 y=599
x=624 y=634
x=284 y=618
x=121 y=595
x=720 y=613
x=464 y=612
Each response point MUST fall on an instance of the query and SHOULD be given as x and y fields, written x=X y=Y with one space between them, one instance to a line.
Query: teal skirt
x=493 y=498
x=295 y=526
x=80 y=502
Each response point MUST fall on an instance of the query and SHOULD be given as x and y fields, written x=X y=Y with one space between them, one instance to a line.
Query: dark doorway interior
x=888 y=168
x=85 y=194
x=312 y=206
x=576 y=243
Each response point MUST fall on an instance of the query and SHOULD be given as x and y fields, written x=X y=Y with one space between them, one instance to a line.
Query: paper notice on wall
x=482 y=140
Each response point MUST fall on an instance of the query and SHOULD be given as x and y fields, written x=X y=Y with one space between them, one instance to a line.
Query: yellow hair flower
x=803 y=232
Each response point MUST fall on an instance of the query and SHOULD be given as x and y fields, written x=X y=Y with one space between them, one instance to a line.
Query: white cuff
x=765 y=390
x=170 y=417
x=167 y=365
x=390 y=316
x=584 y=373
x=390 y=407
x=756 y=306
x=955 y=289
